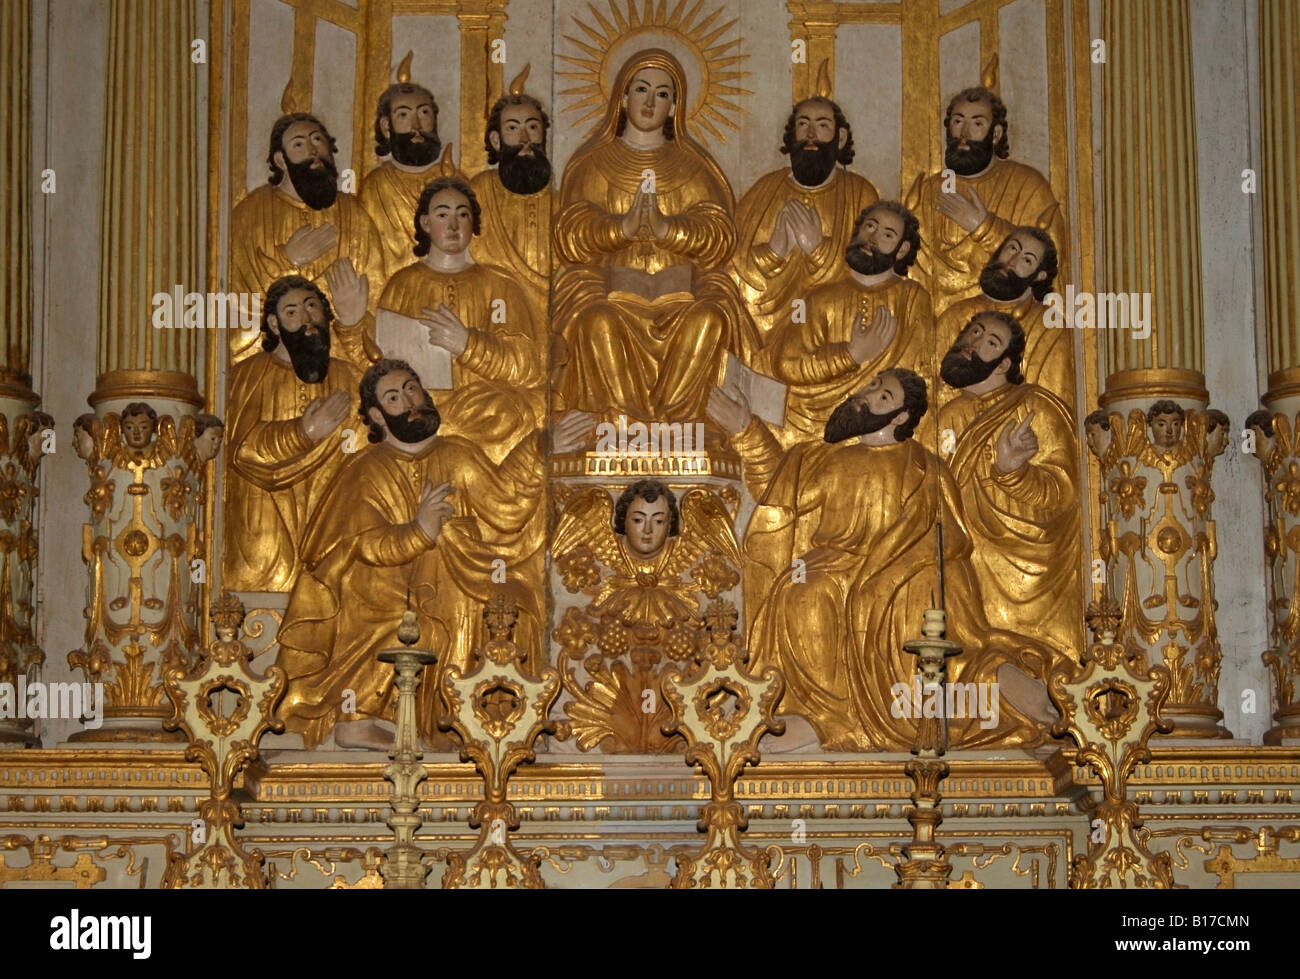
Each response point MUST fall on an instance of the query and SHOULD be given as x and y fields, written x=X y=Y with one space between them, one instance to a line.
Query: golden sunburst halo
x=612 y=37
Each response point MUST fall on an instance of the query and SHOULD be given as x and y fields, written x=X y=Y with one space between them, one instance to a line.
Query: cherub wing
x=706 y=525
x=588 y=520
x=109 y=439
x=184 y=447
x=166 y=445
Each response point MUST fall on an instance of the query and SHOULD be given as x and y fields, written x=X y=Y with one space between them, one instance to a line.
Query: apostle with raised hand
x=871 y=316
x=1016 y=464
x=794 y=223
x=421 y=521
x=299 y=222
x=968 y=209
x=477 y=313
x=286 y=442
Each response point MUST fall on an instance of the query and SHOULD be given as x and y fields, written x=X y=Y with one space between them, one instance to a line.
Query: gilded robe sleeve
x=512 y=355
x=801 y=354
x=762 y=455
x=390 y=546
x=1043 y=485
x=505 y=498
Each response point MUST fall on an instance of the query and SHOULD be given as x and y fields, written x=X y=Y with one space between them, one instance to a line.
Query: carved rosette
x=1111 y=705
x=722 y=711
x=145 y=531
x=1159 y=545
x=25 y=436
x=1279 y=453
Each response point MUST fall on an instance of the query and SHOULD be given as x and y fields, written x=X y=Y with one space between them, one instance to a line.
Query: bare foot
x=368 y=734
x=1027 y=694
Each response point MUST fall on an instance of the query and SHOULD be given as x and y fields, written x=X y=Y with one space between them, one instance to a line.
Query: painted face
x=882 y=230
x=137 y=430
x=985 y=338
x=306 y=140
x=970 y=122
x=208 y=444
x=1166 y=430
x=650 y=98
x=1022 y=254
x=82 y=443
x=814 y=122
x=299 y=309
x=521 y=125
x=449 y=221
x=405 y=408
x=1098 y=438
x=883 y=395
x=413 y=112
x=647 y=526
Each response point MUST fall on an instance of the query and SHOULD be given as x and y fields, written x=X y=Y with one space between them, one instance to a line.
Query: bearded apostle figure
x=871 y=316
x=302 y=225
x=1015 y=281
x=1016 y=465
x=515 y=194
x=406 y=140
x=287 y=406
x=858 y=511
x=417 y=521
x=644 y=230
x=991 y=195
x=479 y=315
x=795 y=223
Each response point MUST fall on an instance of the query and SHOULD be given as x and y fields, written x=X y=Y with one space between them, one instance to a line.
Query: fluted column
x=1159 y=542
x=145 y=476
x=1276 y=446
x=22 y=439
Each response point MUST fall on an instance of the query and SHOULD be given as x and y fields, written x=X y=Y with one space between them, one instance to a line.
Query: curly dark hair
x=846 y=152
x=915 y=402
x=1165 y=407
x=494 y=122
x=271 y=305
x=1262 y=419
x=911 y=232
x=1099 y=417
x=385 y=108
x=87 y=420
x=139 y=408
x=1049 y=262
x=203 y=422
x=369 y=392
x=648 y=490
x=277 y=141
x=1002 y=148
x=423 y=240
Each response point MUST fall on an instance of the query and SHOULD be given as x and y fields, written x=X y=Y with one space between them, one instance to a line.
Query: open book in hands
x=766 y=395
x=404 y=338
x=674 y=282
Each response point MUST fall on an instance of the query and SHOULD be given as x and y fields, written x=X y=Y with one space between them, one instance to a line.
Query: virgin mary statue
x=644 y=230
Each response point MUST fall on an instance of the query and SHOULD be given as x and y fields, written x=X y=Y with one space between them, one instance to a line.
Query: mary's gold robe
x=261 y=224
x=275 y=475
x=862 y=520
x=366 y=557
x=951 y=257
x=813 y=358
x=1025 y=526
x=771 y=283
x=498 y=382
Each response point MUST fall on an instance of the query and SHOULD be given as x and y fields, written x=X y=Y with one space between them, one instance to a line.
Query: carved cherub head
x=646 y=515
x=303 y=147
x=446 y=217
x=886 y=236
x=1096 y=429
x=83 y=435
x=516 y=142
x=1216 y=433
x=894 y=399
x=991 y=345
x=42 y=422
x=975 y=128
x=139 y=425
x=1260 y=422
x=406 y=125
x=1027 y=259
x=1166 y=420
x=208 y=430
x=817 y=136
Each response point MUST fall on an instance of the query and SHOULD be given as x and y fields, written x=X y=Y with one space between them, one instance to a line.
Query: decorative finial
x=404 y=68
x=408 y=633
x=227 y=616
x=517 y=85
x=824 y=88
x=447 y=168
x=288 y=104
x=989 y=74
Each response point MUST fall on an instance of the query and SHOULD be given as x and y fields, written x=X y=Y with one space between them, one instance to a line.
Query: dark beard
x=309 y=355
x=410 y=153
x=1000 y=283
x=958 y=372
x=317 y=188
x=812 y=167
x=849 y=421
x=969 y=161
x=424 y=425
x=868 y=261
x=521 y=174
